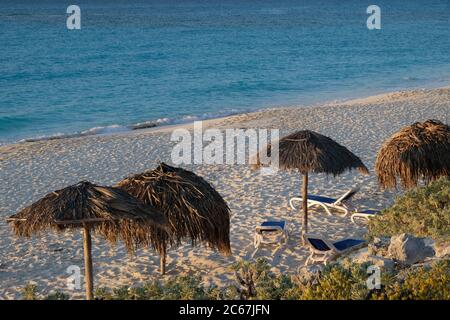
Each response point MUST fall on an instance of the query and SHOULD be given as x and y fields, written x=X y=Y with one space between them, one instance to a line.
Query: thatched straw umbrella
x=419 y=151
x=110 y=212
x=195 y=210
x=308 y=151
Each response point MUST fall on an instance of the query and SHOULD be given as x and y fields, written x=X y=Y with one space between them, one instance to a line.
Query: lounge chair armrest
x=291 y=202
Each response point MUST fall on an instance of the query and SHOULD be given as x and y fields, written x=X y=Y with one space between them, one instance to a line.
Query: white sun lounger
x=364 y=215
x=322 y=250
x=328 y=203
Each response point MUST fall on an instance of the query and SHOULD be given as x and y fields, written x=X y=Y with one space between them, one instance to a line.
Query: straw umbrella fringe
x=194 y=209
x=110 y=212
x=418 y=151
x=308 y=151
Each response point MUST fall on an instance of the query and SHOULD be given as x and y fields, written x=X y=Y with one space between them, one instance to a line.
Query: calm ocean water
x=170 y=61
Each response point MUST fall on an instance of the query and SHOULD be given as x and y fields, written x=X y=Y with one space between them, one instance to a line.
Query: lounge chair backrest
x=347 y=244
x=272 y=223
x=261 y=229
x=271 y=226
x=347 y=196
x=318 y=243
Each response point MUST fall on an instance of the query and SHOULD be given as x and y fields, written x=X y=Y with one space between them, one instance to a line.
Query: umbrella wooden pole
x=163 y=262
x=305 y=206
x=88 y=262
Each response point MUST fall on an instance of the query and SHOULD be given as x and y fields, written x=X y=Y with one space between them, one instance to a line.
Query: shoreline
x=115 y=129
x=152 y=126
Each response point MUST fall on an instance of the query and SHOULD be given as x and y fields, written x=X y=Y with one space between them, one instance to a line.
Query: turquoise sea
x=167 y=61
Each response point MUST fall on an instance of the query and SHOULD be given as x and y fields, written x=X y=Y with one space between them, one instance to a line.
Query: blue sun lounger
x=270 y=232
x=323 y=250
x=328 y=203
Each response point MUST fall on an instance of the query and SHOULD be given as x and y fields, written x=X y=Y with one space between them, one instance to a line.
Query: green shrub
x=58 y=295
x=424 y=283
x=185 y=287
x=29 y=292
x=423 y=212
x=256 y=281
x=103 y=294
x=335 y=282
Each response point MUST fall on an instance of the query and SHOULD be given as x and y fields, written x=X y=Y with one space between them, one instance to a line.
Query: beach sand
x=30 y=170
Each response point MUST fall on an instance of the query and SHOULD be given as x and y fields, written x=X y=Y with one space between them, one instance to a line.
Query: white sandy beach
x=30 y=170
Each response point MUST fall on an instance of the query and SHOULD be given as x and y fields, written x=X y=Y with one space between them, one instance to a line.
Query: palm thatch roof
x=110 y=212
x=309 y=151
x=419 y=151
x=194 y=209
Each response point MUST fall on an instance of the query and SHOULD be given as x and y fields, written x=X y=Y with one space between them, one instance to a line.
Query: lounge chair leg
x=257 y=241
x=305 y=207
x=254 y=253
x=307 y=261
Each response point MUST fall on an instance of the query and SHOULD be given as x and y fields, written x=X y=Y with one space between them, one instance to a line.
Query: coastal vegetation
x=255 y=280
x=422 y=211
